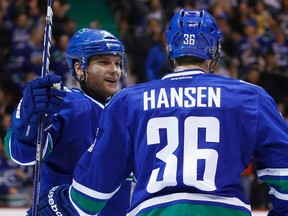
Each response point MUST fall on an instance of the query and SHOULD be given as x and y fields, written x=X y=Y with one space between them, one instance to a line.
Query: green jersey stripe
x=85 y=203
x=281 y=184
x=7 y=142
x=194 y=210
x=187 y=197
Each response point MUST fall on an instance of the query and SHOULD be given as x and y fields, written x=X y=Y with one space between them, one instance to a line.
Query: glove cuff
x=26 y=130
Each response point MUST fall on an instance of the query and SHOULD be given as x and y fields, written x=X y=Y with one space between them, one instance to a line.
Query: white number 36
x=191 y=152
x=189 y=39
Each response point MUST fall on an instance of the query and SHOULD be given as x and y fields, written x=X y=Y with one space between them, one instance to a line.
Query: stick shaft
x=40 y=129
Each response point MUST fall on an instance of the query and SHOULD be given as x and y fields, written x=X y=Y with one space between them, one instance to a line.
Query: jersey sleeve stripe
x=48 y=146
x=277 y=194
x=7 y=143
x=273 y=172
x=85 y=203
x=277 y=179
x=86 y=200
x=75 y=206
x=92 y=193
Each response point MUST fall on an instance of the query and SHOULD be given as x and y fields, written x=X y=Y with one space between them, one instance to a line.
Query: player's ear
x=79 y=71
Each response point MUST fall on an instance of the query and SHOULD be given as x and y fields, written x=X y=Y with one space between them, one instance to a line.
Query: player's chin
x=111 y=88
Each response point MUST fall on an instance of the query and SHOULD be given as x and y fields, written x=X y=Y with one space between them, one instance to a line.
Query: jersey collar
x=184 y=73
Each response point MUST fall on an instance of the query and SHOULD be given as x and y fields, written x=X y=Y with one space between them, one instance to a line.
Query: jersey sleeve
x=271 y=153
x=24 y=153
x=106 y=164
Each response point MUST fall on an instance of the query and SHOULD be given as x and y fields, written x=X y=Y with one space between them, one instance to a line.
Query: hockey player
x=187 y=138
x=96 y=59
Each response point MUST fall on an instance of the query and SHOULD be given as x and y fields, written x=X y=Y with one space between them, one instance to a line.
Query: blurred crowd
x=254 y=49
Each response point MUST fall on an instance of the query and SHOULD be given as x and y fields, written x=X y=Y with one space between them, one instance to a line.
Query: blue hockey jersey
x=187 y=138
x=72 y=133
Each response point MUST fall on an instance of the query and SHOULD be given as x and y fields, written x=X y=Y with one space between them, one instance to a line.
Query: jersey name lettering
x=182 y=97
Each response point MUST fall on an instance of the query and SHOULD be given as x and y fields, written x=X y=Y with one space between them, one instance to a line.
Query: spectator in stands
x=262 y=17
x=14 y=182
x=253 y=74
x=270 y=79
x=249 y=46
x=94 y=24
x=26 y=57
x=280 y=48
x=282 y=17
x=5 y=40
x=34 y=11
x=157 y=64
x=149 y=37
x=20 y=31
x=70 y=27
x=60 y=17
x=58 y=60
x=240 y=16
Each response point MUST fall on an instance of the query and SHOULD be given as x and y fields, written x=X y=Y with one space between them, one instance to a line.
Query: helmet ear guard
x=86 y=43
x=216 y=49
x=193 y=33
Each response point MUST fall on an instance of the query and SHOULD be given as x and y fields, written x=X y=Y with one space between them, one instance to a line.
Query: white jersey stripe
x=273 y=172
x=31 y=162
x=277 y=194
x=93 y=193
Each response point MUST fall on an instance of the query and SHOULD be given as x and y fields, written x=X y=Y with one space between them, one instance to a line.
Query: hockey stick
x=40 y=129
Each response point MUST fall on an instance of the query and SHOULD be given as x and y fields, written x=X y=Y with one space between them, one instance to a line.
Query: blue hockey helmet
x=193 y=33
x=86 y=43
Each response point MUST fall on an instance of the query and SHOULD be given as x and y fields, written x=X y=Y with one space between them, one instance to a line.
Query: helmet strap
x=172 y=64
x=212 y=65
x=215 y=59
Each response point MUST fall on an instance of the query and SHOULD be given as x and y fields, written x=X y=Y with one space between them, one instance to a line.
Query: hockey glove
x=55 y=202
x=39 y=98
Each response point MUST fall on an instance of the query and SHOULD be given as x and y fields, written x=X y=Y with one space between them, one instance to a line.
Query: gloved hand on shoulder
x=42 y=96
x=55 y=202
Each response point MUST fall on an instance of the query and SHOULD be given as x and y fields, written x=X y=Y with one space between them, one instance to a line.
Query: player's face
x=103 y=75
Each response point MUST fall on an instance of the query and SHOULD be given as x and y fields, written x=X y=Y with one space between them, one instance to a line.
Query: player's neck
x=187 y=67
